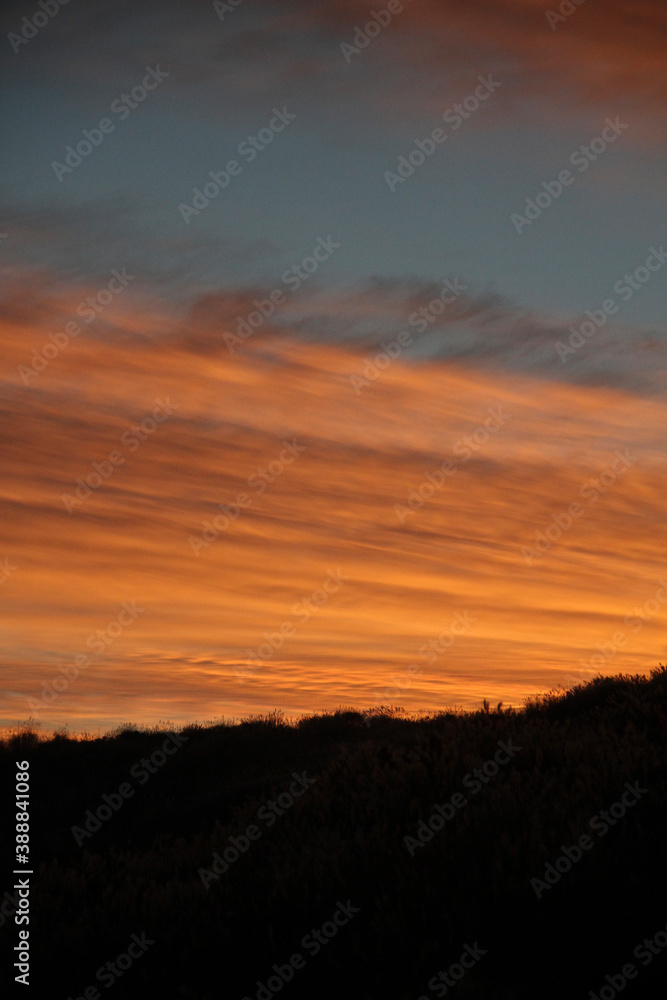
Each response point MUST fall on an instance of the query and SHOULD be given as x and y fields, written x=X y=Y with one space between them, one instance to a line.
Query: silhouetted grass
x=344 y=839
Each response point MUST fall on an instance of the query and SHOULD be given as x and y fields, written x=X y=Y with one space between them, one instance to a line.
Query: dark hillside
x=547 y=776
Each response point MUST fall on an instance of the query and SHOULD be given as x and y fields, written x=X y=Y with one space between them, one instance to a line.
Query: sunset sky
x=377 y=416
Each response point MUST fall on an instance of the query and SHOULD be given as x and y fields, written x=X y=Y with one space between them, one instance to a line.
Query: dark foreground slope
x=409 y=909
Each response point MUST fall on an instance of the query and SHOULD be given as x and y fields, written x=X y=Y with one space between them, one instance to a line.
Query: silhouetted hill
x=505 y=791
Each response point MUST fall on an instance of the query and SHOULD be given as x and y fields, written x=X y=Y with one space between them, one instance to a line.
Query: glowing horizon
x=219 y=518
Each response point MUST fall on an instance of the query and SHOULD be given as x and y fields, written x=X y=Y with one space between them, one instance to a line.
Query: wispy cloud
x=461 y=550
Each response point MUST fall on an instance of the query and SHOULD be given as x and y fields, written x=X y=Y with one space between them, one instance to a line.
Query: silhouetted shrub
x=379 y=776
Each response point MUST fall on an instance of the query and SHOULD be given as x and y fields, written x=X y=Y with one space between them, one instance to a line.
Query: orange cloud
x=235 y=428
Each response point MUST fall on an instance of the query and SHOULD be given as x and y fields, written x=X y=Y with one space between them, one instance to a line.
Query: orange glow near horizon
x=332 y=509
